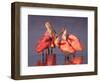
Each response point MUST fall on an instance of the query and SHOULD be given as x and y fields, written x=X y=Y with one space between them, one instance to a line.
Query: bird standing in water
x=46 y=43
x=68 y=44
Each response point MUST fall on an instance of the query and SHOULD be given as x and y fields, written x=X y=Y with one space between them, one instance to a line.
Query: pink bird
x=46 y=42
x=69 y=43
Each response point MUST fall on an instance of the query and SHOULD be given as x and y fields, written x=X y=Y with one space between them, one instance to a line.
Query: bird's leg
x=51 y=50
x=74 y=54
x=68 y=58
x=43 y=57
x=48 y=51
x=65 y=59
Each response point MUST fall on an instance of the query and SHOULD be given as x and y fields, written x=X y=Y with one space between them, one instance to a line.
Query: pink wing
x=65 y=47
x=75 y=42
x=43 y=43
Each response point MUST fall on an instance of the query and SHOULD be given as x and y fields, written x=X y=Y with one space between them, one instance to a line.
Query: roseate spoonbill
x=68 y=44
x=47 y=41
x=52 y=33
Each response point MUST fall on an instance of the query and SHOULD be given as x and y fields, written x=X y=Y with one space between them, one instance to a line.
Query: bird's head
x=64 y=34
x=50 y=28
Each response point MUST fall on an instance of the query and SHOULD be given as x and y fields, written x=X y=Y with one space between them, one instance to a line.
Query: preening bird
x=69 y=43
x=46 y=42
x=47 y=39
